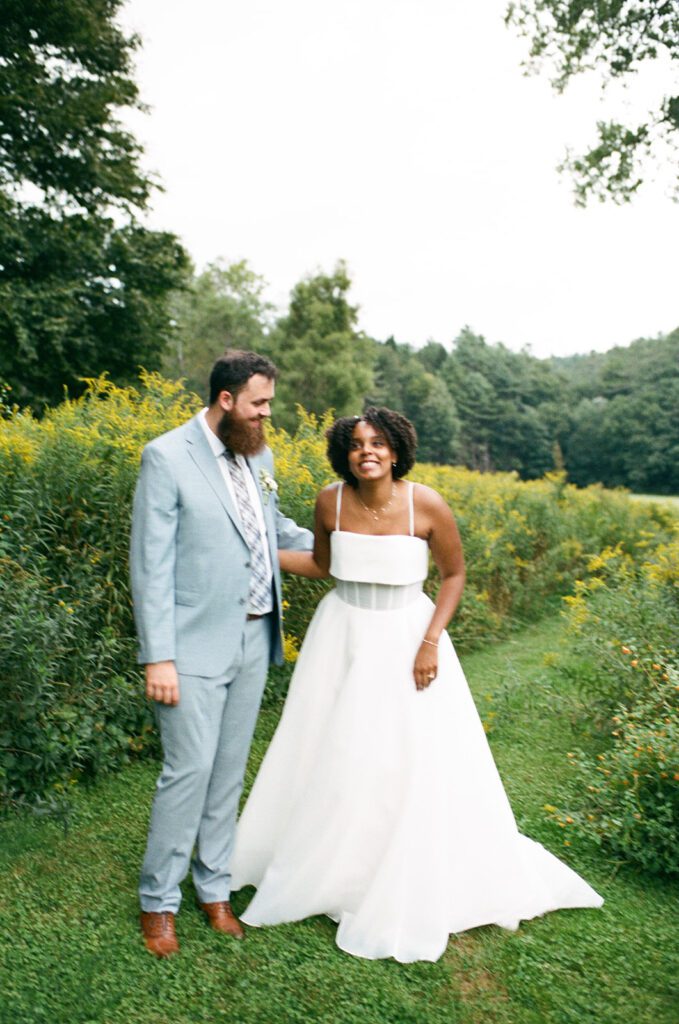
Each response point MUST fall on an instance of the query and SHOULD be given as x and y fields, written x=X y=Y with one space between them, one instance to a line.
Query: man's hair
x=233 y=370
x=399 y=432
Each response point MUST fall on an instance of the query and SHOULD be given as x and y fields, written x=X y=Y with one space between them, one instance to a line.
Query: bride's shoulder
x=426 y=497
x=326 y=507
x=327 y=497
x=330 y=490
x=427 y=500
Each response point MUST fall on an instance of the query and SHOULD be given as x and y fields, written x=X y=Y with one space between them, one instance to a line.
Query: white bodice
x=394 y=559
x=379 y=572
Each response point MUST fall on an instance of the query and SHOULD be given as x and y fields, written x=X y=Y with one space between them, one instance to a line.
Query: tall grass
x=71 y=702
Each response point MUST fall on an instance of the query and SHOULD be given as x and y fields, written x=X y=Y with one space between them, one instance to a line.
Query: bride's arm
x=446 y=548
x=316 y=564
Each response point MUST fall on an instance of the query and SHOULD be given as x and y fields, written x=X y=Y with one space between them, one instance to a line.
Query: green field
x=671 y=500
x=71 y=953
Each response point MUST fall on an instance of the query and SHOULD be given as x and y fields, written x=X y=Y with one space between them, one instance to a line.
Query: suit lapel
x=204 y=458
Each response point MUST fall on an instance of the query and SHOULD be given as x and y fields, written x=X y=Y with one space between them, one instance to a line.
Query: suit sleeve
x=292 y=537
x=152 y=557
x=289 y=535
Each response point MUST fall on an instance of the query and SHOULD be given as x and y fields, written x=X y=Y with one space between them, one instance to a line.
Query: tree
x=475 y=401
x=627 y=434
x=325 y=363
x=432 y=356
x=430 y=407
x=406 y=380
x=510 y=406
x=619 y=37
x=83 y=285
x=222 y=308
x=592 y=452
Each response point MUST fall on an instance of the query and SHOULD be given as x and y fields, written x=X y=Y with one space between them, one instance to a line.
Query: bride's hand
x=425 y=668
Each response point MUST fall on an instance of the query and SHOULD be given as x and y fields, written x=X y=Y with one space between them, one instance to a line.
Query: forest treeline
x=606 y=418
x=87 y=287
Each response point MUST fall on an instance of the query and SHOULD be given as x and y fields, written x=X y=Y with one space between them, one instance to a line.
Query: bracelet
x=430 y=642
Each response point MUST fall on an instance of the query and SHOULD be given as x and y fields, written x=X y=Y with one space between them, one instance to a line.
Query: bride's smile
x=370 y=456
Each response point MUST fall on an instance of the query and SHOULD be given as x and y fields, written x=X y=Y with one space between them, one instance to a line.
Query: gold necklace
x=377 y=512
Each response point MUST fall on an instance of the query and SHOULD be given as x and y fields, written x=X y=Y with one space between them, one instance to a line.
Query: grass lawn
x=71 y=953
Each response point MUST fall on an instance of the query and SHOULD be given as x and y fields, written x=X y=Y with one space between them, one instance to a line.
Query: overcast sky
x=402 y=137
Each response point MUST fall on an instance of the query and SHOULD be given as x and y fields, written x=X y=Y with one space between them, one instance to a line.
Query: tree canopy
x=222 y=307
x=83 y=284
x=605 y=417
x=324 y=361
x=618 y=38
x=625 y=428
x=408 y=381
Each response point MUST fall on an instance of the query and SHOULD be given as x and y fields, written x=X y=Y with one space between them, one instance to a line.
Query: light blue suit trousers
x=206 y=739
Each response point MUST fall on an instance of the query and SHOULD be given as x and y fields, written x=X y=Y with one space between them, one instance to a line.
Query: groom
x=207 y=601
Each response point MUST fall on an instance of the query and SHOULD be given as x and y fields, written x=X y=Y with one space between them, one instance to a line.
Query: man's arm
x=292 y=537
x=289 y=536
x=152 y=567
x=316 y=564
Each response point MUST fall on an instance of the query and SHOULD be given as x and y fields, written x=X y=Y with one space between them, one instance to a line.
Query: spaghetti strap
x=338 y=505
x=411 y=508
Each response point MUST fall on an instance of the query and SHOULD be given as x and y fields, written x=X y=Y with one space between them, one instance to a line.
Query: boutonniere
x=268 y=485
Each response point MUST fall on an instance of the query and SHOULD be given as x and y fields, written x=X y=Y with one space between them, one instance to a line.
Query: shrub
x=619 y=608
x=625 y=623
x=69 y=702
x=526 y=544
x=633 y=786
x=71 y=699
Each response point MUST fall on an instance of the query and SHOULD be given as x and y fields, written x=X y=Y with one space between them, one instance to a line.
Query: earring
x=393 y=465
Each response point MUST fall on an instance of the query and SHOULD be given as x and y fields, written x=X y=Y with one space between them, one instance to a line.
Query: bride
x=378 y=802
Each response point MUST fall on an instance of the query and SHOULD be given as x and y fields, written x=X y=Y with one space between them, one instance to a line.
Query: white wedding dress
x=379 y=805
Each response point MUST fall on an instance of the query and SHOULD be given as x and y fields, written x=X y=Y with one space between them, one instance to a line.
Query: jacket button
x=241 y=600
x=247 y=565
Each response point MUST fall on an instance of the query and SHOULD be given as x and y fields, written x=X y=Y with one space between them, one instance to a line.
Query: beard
x=240 y=435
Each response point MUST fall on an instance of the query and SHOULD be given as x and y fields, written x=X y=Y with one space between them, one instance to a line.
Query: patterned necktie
x=260 y=581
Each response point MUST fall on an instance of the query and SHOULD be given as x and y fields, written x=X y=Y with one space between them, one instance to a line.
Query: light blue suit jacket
x=189 y=560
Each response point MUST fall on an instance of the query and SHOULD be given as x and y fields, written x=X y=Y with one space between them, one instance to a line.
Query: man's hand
x=162 y=682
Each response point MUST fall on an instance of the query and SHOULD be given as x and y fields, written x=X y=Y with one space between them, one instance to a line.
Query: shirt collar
x=216 y=445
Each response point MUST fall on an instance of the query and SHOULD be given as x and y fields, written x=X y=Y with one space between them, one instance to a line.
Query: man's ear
x=226 y=401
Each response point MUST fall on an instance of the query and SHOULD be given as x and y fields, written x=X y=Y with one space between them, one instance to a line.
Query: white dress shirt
x=218 y=450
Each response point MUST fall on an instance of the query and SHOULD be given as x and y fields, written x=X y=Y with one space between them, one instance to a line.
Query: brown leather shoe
x=159 y=934
x=222 y=919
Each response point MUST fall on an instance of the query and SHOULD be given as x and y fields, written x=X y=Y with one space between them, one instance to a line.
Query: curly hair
x=399 y=432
